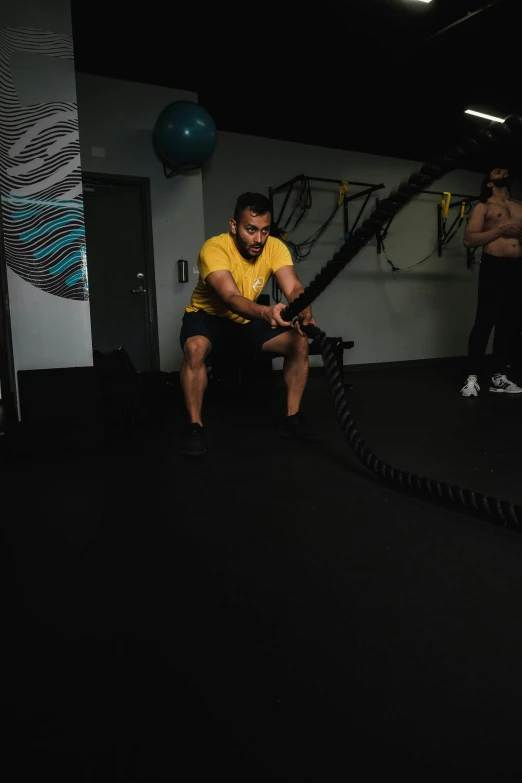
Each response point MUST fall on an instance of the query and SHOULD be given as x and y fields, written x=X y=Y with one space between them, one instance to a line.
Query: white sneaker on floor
x=471 y=387
x=499 y=383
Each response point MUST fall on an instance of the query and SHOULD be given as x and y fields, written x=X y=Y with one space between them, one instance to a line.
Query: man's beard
x=245 y=249
x=505 y=182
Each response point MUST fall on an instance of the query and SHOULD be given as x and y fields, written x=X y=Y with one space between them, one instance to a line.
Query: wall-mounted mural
x=40 y=174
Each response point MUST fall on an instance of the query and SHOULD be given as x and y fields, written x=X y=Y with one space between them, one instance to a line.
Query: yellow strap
x=462 y=209
x=343 y=189
x=446 y=201
x=284 y=237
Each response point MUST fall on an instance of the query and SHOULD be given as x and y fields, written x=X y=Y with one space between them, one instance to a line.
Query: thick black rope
x=497 y=511
x=393 y=204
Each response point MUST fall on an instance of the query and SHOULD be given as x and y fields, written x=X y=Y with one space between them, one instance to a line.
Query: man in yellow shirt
x=233 y=270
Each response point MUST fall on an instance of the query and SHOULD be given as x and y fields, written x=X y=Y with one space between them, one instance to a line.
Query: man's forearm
x=295 y=293
x=482 y=237
x=244 y=307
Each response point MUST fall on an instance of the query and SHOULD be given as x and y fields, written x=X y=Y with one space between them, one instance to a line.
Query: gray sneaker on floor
x=502 y=385
x=471 y=387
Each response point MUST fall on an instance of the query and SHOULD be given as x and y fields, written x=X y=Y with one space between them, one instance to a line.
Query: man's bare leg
x=294 y=348
x=194 y=375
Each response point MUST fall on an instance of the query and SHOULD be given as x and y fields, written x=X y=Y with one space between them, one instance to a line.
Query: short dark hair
x=255 y=202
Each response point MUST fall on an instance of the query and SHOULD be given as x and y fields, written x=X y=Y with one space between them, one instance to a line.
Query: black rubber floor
x=270 y=610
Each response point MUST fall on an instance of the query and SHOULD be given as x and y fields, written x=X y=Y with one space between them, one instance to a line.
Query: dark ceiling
x=378 y=76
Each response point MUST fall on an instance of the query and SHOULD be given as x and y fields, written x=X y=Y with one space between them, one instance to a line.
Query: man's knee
x=196 y=349
x=300 y=344
x=295 y=344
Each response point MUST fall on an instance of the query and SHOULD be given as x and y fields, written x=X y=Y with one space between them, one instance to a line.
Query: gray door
x=120 y=269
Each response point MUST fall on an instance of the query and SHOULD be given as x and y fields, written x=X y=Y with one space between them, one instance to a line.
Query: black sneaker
x=193 y=443
x=297 y=428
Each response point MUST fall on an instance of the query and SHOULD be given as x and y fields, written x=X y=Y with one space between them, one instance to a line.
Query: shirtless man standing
x=495 y=224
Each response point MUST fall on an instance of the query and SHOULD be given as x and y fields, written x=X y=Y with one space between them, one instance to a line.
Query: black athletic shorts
x=223 y=332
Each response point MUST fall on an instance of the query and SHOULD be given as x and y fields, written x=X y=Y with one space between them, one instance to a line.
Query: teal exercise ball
x=185 y=135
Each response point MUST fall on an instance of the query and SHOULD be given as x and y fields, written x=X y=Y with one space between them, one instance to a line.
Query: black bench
x=339 y=347
x=227 y=370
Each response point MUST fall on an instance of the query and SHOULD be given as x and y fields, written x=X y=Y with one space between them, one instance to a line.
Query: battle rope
x=497 y=511
x=391 y=205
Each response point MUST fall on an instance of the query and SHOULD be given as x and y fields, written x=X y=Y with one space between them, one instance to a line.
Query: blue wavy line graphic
x=75 y=278
x=25 y=213
x=50 y=249
x=75 y=258
x=12 y=199
x=47 y=228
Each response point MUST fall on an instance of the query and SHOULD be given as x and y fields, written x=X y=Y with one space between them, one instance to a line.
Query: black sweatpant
x=498 y=306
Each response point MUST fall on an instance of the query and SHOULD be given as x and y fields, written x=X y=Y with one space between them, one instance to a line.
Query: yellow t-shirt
x=220 y=252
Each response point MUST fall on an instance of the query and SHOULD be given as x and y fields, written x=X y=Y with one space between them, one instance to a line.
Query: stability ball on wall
x=184 y=136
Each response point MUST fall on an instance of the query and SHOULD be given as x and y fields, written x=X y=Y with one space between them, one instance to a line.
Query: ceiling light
x=480 y=114
x=425 y=1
